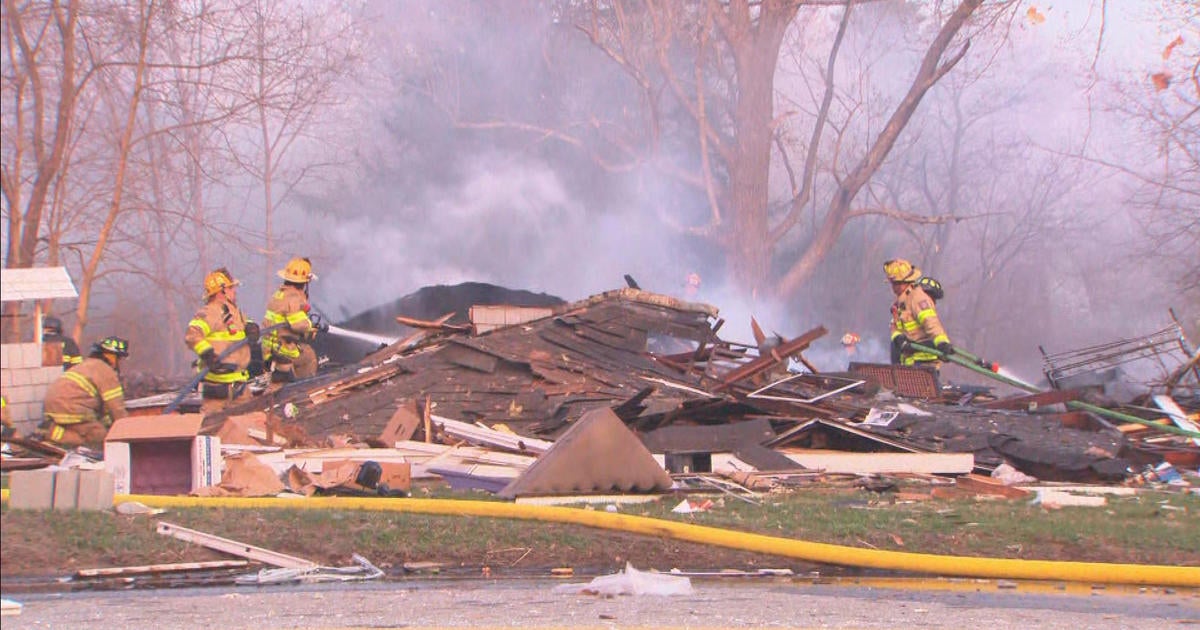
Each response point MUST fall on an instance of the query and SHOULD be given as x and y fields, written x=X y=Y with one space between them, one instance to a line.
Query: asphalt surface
x=713 y=603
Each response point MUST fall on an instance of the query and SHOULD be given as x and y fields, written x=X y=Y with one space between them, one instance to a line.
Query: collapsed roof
x=658 y=362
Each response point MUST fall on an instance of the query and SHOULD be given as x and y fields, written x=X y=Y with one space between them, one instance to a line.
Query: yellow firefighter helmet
x=218 y=280
x=900 y=270
x=113 y=345
x=298 y=270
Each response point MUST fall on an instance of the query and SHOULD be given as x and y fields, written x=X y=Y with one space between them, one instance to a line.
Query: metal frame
x=758 y=392
x=1156 y=346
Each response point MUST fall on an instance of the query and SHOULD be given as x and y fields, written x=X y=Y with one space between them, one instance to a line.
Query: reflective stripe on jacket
x=915 y=317
x=89 y=391
x=217 y=326
x=288 y=305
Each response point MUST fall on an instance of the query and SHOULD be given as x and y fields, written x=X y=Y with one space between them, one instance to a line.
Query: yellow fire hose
x=962 y=566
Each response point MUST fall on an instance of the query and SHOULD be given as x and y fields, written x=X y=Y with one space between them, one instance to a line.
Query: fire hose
x=183 y=392
x=991 y=370
x=964 y=566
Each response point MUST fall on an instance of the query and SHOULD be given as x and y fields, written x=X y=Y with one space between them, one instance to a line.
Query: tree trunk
x=25 y=222
x=145 y=14
x=756 y=54
x=750 y=252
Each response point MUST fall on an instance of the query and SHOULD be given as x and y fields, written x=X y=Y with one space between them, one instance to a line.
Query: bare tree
x=41 y=84
x=1166 y=109
x=137 y=23
x=716 y=64
x=298 y=58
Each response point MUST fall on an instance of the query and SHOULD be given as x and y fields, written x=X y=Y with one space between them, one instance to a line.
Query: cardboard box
x=396 y=475
x=31 y=489
x=161 y=455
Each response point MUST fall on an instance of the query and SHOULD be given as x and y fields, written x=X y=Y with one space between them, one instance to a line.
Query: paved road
x=534 y=604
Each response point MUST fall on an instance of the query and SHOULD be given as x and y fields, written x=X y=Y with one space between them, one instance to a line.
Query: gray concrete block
x=66 y=489
x=95 y=490
x=31 y=355
x=31 y=489
x=22 y=376
x=47 y=375
x=18 y=394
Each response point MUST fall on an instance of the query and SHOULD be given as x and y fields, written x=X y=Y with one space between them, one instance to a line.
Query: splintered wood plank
x=233 y=547
x=437 y=324
x=339 y=388
x=490 y=437
x=979 y=484
x=777 y=355
x=175 y=567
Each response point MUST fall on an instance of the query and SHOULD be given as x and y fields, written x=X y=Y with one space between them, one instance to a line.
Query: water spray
x=378 y=340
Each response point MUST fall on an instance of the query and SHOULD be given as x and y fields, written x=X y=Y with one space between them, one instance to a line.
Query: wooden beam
x=777 y=355
x=174 y=567
x=427 y=417
x=491 y=437
x=233 y=547
x=437 y=324
x=979 y=484
x=1033 y=401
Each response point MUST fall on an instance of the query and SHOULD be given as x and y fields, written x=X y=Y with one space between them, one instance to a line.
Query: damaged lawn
x=1149 y=528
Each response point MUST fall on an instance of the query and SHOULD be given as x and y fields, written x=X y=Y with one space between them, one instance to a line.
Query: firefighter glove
x=252 y=332
x=209 y=357
x=901 y=344
x=945 y=348
x=319 y=324
x=8 y=432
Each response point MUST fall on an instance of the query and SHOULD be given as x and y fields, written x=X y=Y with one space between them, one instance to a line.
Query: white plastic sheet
x=631 y=582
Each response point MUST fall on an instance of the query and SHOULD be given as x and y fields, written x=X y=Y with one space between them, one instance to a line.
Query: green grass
x=1136 y=529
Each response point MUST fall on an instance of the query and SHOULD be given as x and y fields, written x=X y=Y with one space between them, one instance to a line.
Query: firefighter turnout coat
x=90 y=391
x=288 y=305
x=70 y=350
x=218 y=325
x=914 y=316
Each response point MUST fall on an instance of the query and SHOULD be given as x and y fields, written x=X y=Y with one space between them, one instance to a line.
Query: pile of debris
x=632 y=391
x=479 y=402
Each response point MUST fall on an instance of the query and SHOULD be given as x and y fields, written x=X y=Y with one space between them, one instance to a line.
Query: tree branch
x=801 y=198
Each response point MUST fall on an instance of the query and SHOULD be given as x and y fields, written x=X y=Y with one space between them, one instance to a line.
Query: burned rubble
x=693 y=398
x=613 y=393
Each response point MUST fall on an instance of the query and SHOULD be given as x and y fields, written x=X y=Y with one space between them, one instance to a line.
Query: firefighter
x=914 y=318
x=691 y=285
x=285 y=348
x=850 y=343
x=220 y=335
x=84 y=401
x=9 y=429
x=52 y=332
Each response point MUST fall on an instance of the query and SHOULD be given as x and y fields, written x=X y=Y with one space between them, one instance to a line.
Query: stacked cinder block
x=73 y=489
x=23 y=381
